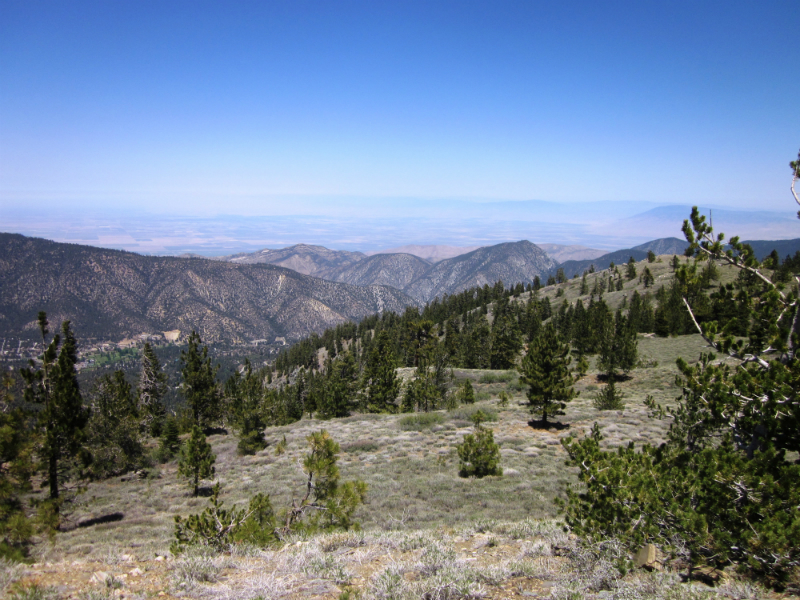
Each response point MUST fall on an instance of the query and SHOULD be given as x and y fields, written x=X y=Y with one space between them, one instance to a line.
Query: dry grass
x=427 y=533
x=409 y=464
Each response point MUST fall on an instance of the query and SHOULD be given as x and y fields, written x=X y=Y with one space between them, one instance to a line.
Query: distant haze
x=602 y=226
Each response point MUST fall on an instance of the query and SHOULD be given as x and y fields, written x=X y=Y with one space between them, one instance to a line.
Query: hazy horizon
x=210 y=127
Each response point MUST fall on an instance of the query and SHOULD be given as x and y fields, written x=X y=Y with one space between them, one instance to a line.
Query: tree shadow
x=215 y=431
x=205 y=491
x=109 y=518
x=539 y=424
x=603 y=377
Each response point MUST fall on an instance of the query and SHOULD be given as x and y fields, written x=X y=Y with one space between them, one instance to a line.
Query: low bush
x=501 y=377
x=466 y=413
x=420 y=421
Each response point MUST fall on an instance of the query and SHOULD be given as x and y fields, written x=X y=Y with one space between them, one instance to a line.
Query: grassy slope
x=413 y=487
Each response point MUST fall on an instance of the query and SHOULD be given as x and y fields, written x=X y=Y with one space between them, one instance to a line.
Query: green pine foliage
x=199 y=385
x=217 y=527
x=506 y=341
x=724 y=488
x=608 y=398
x=152 y=388
x=630 y=269
x=326 y=504
x=244 y=393
x=545 y=369
x=16 y=529
x=619 y=346
x=196 y=461
x=169 y=443
x=113 y=431
x=380 y=379
x=466 y=393
x=341 y=383
x=62 y=416
x=478 y=454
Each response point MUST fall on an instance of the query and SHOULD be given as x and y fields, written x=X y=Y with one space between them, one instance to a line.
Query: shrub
x=420 y=421
x=327 y=504
x=502 y=377
x=478 y=454
x=608 y=398
x=466 y=413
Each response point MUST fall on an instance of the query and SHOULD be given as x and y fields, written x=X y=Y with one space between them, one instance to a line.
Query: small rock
x=650 y=558
x=100 y=577
x=510 y=472
x=159 y=558
x=136 y=572
x=708 y=575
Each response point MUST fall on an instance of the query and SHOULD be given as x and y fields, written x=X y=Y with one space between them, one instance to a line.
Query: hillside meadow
x=425 y=532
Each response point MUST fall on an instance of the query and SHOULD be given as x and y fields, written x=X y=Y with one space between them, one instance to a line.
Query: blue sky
x=281 y=108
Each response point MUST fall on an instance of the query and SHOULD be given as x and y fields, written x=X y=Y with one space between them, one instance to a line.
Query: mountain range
x=423 y=280
x=112 y=294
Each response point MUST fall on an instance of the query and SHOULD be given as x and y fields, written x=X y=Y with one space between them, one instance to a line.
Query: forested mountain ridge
x=111 y=294
x=513 y=262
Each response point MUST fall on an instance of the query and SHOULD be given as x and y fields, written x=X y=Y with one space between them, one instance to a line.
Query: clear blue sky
x=234 y=107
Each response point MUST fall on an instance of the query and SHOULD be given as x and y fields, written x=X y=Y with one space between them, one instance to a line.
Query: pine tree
x=728 y=466
x=15 y=457
x=608 y=398
x=630 y=272
x=478 y=454
x=62 y=417
x=380 y=379
x=545 y=369
x=169 y=443
x=647 y=277
x=199 y=384
x=466 y=393
x=341 y=382
x=113 y=432
x=505 y=343
x=651 y=256
x=618 y=345
x=584 y=286
x=197 y=460
x=152 y=387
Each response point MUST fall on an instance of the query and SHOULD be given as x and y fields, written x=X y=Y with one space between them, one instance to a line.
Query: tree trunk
x=52 y=476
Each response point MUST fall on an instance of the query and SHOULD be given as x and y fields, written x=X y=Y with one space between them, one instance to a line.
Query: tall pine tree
x=380 y=379
x=545 y=369
x=152 y=387
x=62 y=416
x=199 y=384
x=197 y=460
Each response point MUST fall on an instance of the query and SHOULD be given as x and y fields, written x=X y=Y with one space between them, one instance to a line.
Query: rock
x=708 y=575
x=100 y=577
x=649 y=557
x=136 y=572
x=510 y=472
x=159 y=558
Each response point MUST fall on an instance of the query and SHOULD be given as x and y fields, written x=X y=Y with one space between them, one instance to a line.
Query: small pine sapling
x=197 y=460
x=467 y=393
x=503 y=398
x=478 y=454
x=609 y=398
